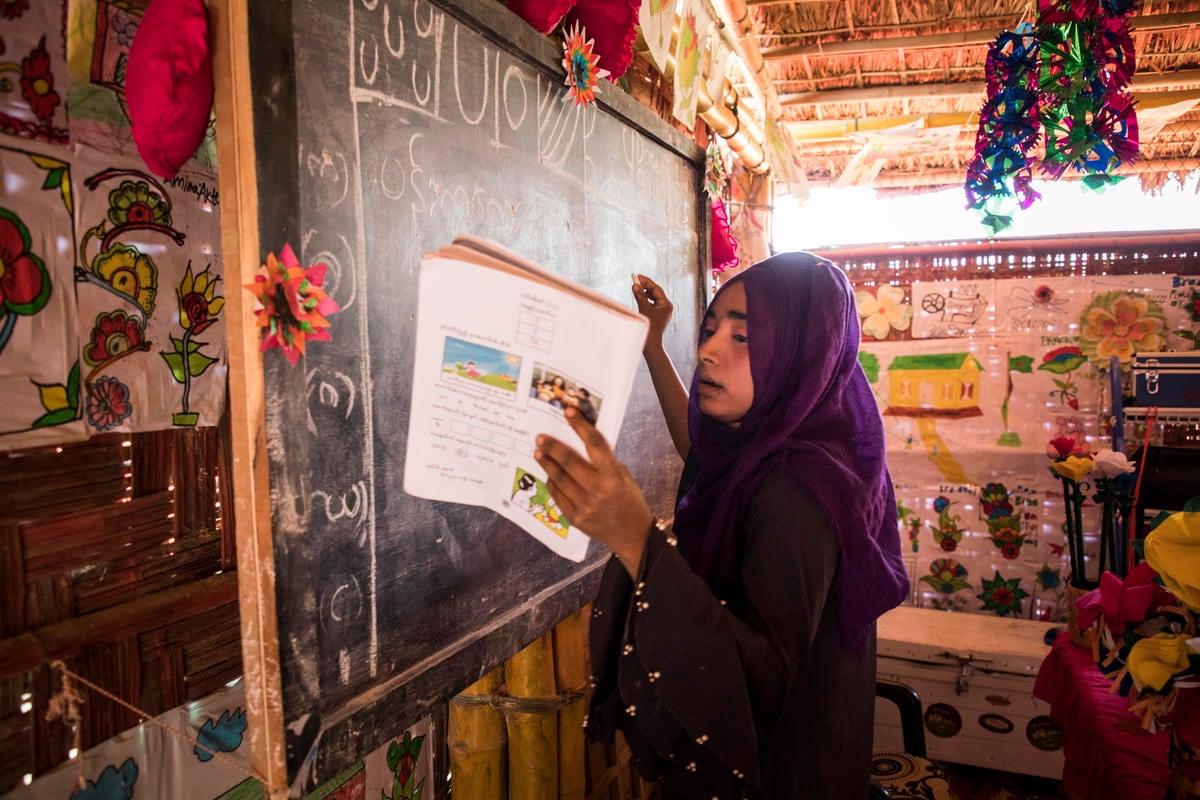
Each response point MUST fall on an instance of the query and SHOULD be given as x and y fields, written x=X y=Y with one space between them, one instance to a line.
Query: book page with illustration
x=503 y=348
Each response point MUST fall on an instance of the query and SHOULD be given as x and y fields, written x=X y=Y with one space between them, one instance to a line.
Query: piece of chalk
x=637 y=284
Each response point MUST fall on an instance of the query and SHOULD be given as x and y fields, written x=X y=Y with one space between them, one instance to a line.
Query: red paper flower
x=581 y=64
x=291 y=305
x=37 y=83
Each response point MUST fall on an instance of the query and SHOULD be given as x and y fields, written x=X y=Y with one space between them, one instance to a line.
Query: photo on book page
x=556 y=391
x=503 y=348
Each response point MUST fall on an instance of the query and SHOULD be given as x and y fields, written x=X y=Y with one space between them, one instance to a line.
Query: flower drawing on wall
x=402 y=761
x=1064 y=361
x=24 y=280
x=910 y=520
x=1004 y=526
x=108 y=404
x=884 y=311
x=1191 y=308
x=37 y=83
x=128 y=273
x=1120 y=323
x=115 y=335
x=946 y=532
x=1002 y=596
x=199 y=305
x=947 y=577
x=135 y=203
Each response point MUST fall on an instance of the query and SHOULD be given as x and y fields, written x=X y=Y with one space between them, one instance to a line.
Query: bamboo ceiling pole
x=734 y=125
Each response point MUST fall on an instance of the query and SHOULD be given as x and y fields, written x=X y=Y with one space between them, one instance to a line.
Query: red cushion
x=169 y=84
x=541 y=14
x=612 y=24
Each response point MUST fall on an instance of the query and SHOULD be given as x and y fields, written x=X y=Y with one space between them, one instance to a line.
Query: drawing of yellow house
x=937 y=385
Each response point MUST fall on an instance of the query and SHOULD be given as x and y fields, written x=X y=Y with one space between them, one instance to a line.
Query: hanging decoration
x=1065 y=82
x=724 y=246
x=292 y=308
x=715 y=173
x=581 y=64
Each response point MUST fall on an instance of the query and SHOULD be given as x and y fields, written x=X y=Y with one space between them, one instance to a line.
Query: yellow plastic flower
x=1173 y=549
x=198 y=301
x=1073 y=468
x=130 y=272
x=1155 y=660
x=883 y=311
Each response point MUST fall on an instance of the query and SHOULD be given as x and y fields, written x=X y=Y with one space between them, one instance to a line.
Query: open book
x=503 y=347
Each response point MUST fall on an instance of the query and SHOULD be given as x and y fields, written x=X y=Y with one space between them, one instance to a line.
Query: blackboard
x=382 y=129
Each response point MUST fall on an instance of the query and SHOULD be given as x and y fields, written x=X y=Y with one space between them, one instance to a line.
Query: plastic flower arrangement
x=1145 y=636
x=1071 y=470
x=1115 y=478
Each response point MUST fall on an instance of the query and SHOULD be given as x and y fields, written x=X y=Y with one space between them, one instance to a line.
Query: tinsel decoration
x=1000 y=175
x=582 y=66
x=1065 y=82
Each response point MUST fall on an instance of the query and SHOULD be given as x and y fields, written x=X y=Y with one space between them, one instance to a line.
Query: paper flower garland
x=292 y=308
x=1065 y=80
x=581 y=64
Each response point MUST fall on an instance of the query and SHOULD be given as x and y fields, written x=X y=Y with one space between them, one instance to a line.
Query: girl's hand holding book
x=596 y=492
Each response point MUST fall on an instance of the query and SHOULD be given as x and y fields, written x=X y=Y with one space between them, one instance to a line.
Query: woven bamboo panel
x=54 y=480
x=101 y=525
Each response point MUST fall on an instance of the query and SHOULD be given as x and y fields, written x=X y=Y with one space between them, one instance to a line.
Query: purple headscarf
x=813 y=415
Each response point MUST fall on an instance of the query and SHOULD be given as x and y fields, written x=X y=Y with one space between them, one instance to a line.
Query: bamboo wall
x=517 y=732
x=116 y=558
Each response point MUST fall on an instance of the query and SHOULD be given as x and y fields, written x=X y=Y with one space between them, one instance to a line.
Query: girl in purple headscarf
x=741 y=662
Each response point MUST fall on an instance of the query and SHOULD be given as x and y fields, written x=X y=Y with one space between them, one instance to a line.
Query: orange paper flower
x=290 y=304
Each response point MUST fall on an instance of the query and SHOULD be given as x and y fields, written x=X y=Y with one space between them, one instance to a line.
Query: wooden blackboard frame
x=259 y=118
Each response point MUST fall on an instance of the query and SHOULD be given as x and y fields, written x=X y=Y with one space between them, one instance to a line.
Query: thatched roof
x=842 y=69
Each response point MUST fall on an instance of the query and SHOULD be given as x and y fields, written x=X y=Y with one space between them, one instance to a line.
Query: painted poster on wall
x=39 y=367
x=205 y=756
x=151 y=298
x=971 y=418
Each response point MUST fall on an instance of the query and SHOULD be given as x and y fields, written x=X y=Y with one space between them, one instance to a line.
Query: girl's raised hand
x=596 y=493
x=654 y=305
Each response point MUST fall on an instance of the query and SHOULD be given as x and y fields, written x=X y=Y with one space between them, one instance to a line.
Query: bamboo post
x=477 y=741
x=532 y=721
x=571 y=674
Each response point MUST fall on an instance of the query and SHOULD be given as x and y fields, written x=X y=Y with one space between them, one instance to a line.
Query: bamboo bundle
x=477 y=741
x=532 y=718
x=571 y=674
